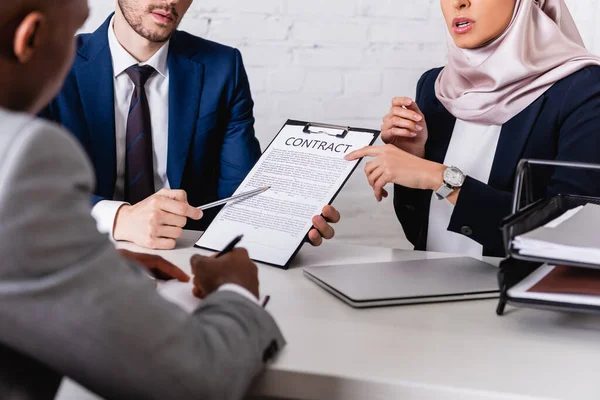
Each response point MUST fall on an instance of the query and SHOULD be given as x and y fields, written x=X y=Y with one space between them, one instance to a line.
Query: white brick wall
x=337 y=61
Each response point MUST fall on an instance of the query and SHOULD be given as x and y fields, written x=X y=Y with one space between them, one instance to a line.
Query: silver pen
x=236 y=197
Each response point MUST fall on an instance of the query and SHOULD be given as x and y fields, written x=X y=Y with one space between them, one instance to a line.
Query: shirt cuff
x=232 y=287
x=104 y=212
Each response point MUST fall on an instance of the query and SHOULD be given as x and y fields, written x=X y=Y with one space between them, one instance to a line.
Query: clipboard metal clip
x=308 y=129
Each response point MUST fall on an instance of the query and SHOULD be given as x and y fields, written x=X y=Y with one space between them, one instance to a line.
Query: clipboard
x=315 y=133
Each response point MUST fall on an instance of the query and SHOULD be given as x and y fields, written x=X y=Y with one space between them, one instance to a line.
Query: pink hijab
x=492 y=84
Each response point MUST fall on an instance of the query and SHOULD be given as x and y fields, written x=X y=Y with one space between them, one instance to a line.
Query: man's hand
x=160 y=268
x=323 y=229
x=235 y=267
x=157 y=222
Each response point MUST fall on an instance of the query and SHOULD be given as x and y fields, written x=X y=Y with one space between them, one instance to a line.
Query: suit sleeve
x=241 y=149
x=68 y=300
x=482 y=208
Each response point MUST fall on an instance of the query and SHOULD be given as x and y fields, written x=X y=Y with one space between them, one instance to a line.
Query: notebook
x=560 y=284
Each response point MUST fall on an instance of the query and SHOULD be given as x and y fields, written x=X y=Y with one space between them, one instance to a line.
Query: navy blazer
x=211 y=140
x=562 y=124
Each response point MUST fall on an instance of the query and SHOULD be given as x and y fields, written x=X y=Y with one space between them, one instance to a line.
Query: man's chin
x=157 y=36
x=155 y=31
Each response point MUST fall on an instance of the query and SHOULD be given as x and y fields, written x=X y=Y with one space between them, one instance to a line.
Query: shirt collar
x=122 y=60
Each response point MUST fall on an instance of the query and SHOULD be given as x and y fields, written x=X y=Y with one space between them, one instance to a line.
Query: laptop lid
x=408 y=282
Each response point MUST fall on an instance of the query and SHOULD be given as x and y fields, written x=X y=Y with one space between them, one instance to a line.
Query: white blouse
x=472 y=149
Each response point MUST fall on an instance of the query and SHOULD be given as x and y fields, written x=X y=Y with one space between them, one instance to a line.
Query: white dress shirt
x=472 y=149
x=157 y=91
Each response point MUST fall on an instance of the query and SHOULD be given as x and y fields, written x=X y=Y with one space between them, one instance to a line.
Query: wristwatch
x=453 y=179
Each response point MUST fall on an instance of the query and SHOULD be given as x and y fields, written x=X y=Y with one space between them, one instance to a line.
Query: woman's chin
x=468 y=43
x=473 y=40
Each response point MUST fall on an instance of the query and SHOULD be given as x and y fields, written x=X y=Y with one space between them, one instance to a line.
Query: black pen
x=230 y=246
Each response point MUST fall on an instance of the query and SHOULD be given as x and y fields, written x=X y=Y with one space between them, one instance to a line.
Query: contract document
x=305 y=169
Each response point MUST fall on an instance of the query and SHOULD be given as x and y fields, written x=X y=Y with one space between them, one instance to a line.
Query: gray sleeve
x=68 y=299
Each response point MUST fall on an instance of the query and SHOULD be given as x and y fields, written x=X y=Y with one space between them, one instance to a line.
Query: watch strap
x=444 y=191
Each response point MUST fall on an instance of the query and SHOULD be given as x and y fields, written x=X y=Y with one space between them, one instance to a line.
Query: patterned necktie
x=139 y=169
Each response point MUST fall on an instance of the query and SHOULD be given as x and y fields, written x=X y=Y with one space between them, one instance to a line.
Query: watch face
x=454 y=177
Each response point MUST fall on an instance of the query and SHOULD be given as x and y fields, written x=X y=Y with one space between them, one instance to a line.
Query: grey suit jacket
x=69 y=302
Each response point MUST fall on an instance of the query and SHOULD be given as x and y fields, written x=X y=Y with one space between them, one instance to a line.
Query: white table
x=436 y=351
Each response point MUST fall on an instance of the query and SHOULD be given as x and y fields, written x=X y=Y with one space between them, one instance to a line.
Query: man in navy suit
x=167 y=120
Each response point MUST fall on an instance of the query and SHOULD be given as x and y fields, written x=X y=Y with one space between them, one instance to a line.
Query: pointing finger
x=369 y=151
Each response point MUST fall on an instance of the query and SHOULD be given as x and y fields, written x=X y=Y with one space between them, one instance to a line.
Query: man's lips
x=163 y=16
x=462 y=25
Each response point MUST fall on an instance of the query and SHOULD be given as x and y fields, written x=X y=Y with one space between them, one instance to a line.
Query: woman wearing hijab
x=519 y=83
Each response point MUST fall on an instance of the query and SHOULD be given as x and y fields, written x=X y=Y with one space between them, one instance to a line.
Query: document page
x=305 y=172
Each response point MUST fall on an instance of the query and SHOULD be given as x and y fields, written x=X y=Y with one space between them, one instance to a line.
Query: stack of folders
x=574 y=237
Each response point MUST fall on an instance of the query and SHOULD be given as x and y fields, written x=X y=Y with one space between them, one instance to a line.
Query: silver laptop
x=408 y=282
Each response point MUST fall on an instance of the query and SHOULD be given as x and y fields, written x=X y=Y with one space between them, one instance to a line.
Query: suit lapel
x=511 y=144
x=185 y=87
x=96 y=88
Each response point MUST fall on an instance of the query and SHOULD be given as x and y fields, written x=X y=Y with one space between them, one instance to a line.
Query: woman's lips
x=461 y=25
